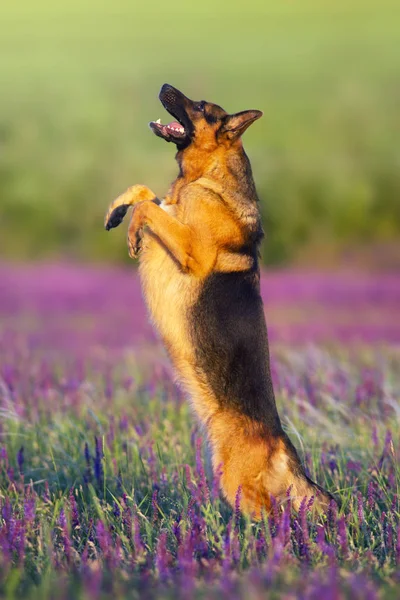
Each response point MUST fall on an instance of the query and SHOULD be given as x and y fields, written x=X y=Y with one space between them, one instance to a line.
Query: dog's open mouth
x=173 y=131
x=180 y=130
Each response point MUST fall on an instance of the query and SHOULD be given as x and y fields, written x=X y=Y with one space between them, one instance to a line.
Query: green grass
x=146 y=522
x=80 y=82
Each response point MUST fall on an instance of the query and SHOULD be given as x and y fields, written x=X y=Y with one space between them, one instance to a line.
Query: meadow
x=105 y=481
x=105 y=484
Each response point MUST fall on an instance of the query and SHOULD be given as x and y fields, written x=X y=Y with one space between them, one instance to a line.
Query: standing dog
x=199 y=269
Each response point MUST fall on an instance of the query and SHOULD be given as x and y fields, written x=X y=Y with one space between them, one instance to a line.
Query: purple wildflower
x=29 y=509
x=360 y=508
x=124 y=422
x=21 y=460
x=375 y=439
x=162 y=556
x=104 y=539
x=62 y=521
x=237 y=507
x=127 y=518
x=87 y=454
x=203 y=487
x=21 y=545
x=4 y=458
x=176 y=530
x=216 y=482
x=332 y=514
x=371 y=495
x=332 y=464
x=398 y=546
x=284 y=527
x=261 y=546
x=111 y=432
x=152 y=462
x=274 y=517
x=116 y=510
x=87 y=476
x=65 y=537
x=154 y=506
x=74 y=510
x=97 y=462
x=342 y=537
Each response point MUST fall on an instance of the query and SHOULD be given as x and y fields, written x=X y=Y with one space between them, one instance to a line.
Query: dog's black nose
x=167 y=88
x=170 y=95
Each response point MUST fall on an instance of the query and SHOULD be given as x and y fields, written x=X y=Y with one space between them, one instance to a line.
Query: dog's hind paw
x=115 y=217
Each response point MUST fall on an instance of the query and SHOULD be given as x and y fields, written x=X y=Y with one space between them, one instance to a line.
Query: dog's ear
x=235 y=125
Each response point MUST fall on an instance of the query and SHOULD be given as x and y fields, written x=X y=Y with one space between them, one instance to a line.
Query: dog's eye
x=199 y=106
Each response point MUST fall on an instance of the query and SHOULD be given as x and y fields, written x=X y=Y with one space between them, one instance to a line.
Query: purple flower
x=398 y=546
x=375 y=439
x=104 y=538
x=97 y=462
x=74 y=510
x=332 y=514
x=152 y=462
x=202 y=485
x=29 y=509
x=371 y=495
x=4 y=457
x=87 y=454
x=284 y=527
x=360 y=508
x=116 y=510
x=154 y=506
x=342 y=537
x=332 y=464
x=87 y=476
x=237 y=507
x=62 y=521
x=162 y=556
x=21 y=460
x=274 y=518
x=216 y=482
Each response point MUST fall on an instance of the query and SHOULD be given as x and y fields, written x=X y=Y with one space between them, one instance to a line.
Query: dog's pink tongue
x=174 y=125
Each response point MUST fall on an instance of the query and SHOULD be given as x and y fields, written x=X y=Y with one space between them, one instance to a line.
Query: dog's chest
x=169 y=293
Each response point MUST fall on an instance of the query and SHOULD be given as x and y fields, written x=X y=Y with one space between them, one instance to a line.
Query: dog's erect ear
x=235 y=125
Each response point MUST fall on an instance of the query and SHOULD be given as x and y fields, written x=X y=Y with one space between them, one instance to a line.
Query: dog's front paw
x=115 y=216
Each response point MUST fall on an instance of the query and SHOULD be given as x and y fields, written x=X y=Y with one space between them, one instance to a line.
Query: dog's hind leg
x=118 y=208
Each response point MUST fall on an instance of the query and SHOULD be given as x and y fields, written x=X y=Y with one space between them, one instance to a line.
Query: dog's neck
x=215 y=164
x=227 y=172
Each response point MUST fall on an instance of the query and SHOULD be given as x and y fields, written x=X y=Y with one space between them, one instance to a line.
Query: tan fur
x=201 y=227
x=259 y=466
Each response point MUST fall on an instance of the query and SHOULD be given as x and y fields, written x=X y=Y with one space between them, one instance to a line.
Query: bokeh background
x=80 y=80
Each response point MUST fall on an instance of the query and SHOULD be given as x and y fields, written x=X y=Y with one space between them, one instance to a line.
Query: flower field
x=105 y=483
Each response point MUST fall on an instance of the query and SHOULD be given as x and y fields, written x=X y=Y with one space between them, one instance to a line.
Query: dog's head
x=201 y=124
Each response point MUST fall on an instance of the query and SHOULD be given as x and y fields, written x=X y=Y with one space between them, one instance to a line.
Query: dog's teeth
x=158 y=121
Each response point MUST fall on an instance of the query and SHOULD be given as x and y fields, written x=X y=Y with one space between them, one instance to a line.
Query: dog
x=199 y=269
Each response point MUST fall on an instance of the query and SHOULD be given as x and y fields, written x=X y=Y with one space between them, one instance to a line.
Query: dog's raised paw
x=116 y=217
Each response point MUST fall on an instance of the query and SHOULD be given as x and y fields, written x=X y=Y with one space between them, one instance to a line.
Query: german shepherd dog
x=200 y=274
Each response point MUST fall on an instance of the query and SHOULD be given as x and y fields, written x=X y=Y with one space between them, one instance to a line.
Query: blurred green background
x=80 y=80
